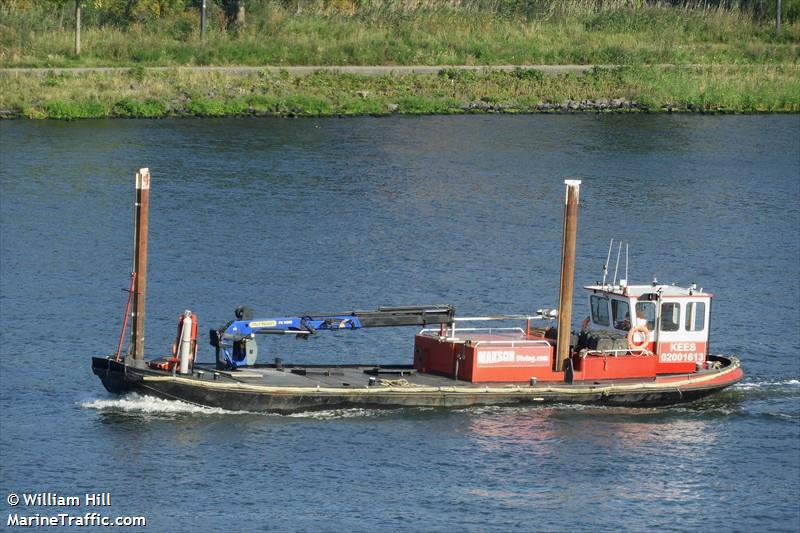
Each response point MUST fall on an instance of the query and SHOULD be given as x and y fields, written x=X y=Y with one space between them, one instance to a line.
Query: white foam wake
x=137 y=403
x=767 y=384
x=333 y=414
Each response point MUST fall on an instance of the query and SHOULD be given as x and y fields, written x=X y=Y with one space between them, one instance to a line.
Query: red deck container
x=487 y=358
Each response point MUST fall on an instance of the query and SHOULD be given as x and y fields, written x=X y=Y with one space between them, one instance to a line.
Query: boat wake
x=786 y=384
x=761 y=390
x=137 y=403
x=334 y=414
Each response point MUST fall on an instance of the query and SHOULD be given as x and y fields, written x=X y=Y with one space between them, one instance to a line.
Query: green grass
x=382 y=32
x=174 y=93
x=731 y=59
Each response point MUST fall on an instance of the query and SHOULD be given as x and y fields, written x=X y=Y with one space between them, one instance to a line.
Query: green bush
x=72 y=109
x=130 y=107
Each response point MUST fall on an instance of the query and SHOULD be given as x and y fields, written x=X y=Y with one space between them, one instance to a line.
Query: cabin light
x=623 y=283
x=694 y=286
x=655 y=281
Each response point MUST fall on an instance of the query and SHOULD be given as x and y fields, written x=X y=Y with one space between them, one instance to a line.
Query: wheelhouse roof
x=635 y=291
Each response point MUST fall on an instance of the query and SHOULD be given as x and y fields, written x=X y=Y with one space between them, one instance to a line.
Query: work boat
x=640 y=345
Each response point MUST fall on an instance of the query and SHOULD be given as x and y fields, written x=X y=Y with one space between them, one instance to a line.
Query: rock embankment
x=599 y=104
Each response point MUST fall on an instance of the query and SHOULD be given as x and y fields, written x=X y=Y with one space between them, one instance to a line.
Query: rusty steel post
x=140 y=260
x=567 y=271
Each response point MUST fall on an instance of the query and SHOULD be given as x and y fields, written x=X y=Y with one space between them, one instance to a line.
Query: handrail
x=497 y=317
x=513 y=343
x=489 y=330
x=616 y=353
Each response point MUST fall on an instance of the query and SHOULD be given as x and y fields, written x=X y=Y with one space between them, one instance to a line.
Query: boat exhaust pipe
x=571 y=200
x=140 y=263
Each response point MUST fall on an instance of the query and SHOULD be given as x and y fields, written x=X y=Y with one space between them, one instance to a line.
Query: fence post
x=77 y=27
x=202 y=19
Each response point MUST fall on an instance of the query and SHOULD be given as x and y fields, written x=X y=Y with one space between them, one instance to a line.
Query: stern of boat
x=112 y=374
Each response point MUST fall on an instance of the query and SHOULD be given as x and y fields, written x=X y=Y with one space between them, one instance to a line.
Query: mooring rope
x=397 y=383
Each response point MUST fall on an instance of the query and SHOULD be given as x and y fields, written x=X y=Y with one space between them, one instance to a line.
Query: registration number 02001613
x=682 y=357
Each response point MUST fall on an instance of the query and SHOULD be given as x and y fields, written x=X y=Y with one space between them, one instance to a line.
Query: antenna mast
x=608 y=258
x=626 y=263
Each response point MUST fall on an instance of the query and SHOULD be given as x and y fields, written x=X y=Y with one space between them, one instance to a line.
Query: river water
x=293 y=215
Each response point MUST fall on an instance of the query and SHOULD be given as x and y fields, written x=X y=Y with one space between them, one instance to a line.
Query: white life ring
x=632 y=344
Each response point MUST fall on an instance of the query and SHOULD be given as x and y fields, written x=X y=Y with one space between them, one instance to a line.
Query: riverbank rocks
x=600 y=104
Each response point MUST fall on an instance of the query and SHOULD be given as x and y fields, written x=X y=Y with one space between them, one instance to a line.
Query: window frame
x=616 y=303
x=677 y=323
x=691 y=309
x=592 y=299
x=651 y=324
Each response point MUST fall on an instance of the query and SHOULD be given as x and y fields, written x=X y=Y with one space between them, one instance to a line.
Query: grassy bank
x=402 y=32
x=733 y=59
x=174 y=93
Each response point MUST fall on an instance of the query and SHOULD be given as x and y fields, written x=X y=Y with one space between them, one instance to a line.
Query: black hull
x=237 y=396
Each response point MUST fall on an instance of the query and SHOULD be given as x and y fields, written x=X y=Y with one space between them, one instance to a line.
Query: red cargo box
x=515 y=361
x=431 y=354
x=487 y=358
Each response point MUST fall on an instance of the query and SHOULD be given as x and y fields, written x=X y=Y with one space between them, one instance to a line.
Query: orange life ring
x=632 y=344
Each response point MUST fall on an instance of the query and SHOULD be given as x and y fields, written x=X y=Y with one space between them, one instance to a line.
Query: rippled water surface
x=333 y=215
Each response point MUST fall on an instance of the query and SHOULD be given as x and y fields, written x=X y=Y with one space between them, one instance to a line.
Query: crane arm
x=235 y=342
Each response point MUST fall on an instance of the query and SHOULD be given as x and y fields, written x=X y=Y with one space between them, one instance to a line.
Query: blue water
x=331 y=215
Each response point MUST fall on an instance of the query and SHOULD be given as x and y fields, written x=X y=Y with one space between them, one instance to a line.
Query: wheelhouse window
x=646 y=311
x=599 y=310
x=670 y=316
x=695 y=316
x=621 y=313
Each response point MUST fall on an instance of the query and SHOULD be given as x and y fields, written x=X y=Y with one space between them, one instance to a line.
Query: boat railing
x=513 y=343
x=488 y=331
x=615 y=353
x=448 y=331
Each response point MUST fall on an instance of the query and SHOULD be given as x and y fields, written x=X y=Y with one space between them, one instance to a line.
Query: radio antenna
x=608 y=258
x=616 y=268
x=626 y=263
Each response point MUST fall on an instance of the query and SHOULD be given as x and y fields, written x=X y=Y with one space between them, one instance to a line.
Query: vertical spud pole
x=140 y=260
x=567 y=271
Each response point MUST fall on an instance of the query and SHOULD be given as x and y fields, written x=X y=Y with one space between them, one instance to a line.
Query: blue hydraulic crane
x=236 y=346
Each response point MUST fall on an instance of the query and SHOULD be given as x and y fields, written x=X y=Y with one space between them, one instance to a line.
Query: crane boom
x=236 y=346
